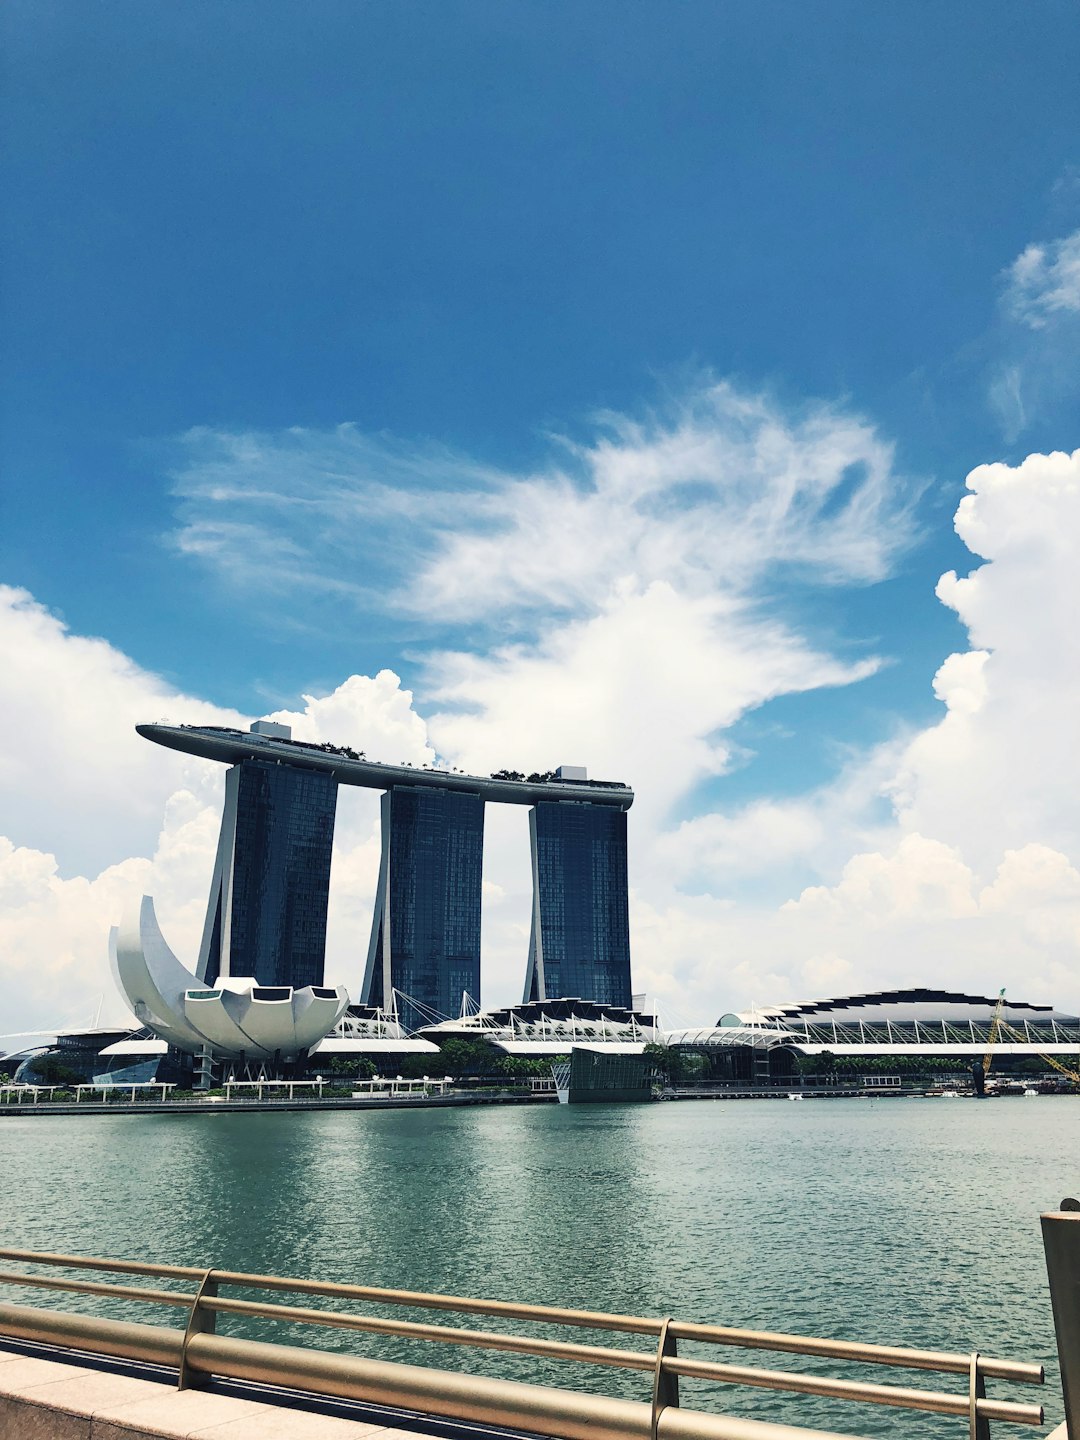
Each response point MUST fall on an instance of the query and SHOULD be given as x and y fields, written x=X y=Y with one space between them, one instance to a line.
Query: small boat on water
x=793 y=1095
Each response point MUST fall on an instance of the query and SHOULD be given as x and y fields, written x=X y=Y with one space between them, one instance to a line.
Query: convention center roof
x=896 y=1022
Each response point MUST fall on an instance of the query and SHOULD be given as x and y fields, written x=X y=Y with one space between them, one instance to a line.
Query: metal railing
x=197 y=1352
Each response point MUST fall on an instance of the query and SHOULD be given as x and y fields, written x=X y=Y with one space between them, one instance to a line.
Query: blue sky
x=474 y=233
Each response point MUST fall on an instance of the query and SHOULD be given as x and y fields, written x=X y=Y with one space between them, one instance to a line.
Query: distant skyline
x=519 y=385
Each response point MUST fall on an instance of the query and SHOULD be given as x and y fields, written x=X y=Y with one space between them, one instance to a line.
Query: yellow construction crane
x=998 y=1025
x=1073 y=1075
x=995 y=1029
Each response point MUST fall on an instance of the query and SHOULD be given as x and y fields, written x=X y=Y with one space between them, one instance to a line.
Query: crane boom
x=995 y=1029
x=1065 y=1070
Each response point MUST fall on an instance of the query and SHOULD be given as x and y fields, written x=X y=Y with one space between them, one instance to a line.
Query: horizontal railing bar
x=120 y=1267
x=411 y=1330
x=639 y=1325
x=98 y=1287
x=125 y=1339
x=507 y=1309
x=859 y=1351
x=900 y=1397
x=896 y=1396
x=538 y=1409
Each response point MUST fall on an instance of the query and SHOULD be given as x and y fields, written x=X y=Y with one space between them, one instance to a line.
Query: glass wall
x=426 y=938
x=283 y=832
x=581 y=924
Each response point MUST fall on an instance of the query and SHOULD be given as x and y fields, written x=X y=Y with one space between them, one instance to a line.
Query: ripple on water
x=901 y=1221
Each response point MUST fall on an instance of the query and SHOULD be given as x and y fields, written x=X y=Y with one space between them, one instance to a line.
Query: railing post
x=200 y=1322
x=1061 y=1242
x=665 y=1385
x=978 y=1426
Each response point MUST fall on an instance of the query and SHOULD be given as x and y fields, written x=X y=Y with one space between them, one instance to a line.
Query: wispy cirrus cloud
x=1043 y=282
x=1038 y=344
x=714 y=493
x=617 y=605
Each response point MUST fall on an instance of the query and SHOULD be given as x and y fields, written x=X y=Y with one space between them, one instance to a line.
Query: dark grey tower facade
x=425 y=935
x=267 y=912
x=580 y=942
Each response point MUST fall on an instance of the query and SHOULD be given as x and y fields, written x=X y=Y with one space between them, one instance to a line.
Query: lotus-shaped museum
x=235 y=1018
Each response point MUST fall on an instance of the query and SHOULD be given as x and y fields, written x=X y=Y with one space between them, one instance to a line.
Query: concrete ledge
x=52 y=1400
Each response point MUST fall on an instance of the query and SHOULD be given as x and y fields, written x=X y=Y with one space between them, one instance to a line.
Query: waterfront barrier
x=198 y=1353
x=118 y=1087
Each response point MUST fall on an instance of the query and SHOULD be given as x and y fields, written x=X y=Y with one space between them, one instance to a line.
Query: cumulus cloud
x=997 y=772
x=976 y=879
x=75 y=779
x=76 y=849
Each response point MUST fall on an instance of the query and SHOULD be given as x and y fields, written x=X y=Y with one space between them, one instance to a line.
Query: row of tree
x=455 y=1058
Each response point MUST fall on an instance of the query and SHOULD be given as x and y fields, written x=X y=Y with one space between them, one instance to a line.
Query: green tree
x=50 y=1070
x=467 y=1057
x=356 y=1067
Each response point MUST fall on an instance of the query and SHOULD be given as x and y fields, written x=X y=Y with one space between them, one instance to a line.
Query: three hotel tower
x=268 y=900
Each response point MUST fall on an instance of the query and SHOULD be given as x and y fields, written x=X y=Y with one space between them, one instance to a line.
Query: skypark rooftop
x=349 y=767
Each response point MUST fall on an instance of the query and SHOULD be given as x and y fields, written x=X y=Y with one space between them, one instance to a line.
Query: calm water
x=902 y=1221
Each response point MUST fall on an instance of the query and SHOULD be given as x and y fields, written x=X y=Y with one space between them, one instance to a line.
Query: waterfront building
x=61 y=1057
x=424 y=954
x=366 y=1033
x=936 y=1025
x=235 y=1018
x=580 y=938
x=268 y=897
x=553 y=1027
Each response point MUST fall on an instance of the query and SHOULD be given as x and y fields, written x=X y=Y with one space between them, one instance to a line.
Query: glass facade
x=580 y=943
x=425 y=940
x=273 y=881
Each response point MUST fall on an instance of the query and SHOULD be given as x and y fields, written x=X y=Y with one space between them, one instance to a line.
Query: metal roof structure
x=913 y=1003
x=894 y=1022
x=552 y=1027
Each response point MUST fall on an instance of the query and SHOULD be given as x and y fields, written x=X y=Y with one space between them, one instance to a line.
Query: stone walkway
x=52 y=1400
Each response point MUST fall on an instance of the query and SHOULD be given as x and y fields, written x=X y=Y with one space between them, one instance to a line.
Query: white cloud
x=715 y=494
x=127 y=817
x=999 y=770
x=75 y=779
x=923 y=880
x=1035 y=374
x=640 y=692
x=1043 y=282
x=720 y=490
x=976 y=880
